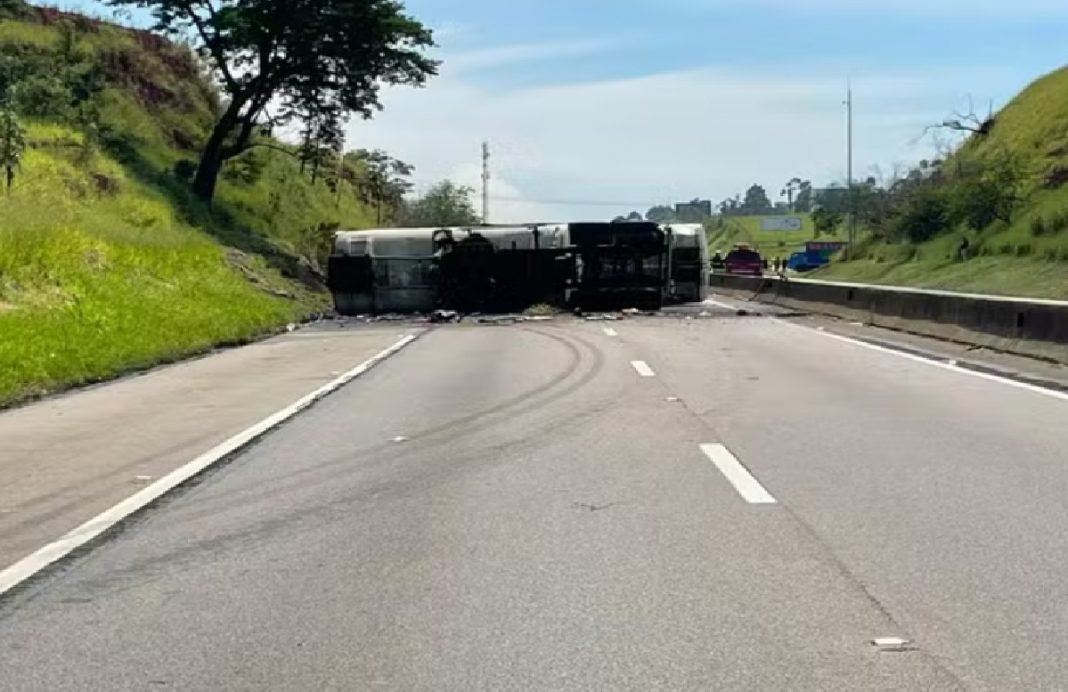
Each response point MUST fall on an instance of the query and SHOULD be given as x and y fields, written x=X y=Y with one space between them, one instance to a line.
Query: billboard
x=781 y=223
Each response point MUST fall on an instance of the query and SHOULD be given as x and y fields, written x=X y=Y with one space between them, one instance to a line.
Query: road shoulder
x=1011 y=366
x=69 y=458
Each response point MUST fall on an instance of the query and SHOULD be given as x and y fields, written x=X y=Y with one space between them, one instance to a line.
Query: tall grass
x=93 y=284
x=108 y=263
x=1027 y=256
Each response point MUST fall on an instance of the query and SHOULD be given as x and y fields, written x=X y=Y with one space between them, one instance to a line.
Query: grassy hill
x=107 y=262
x=726 y=231
x=1027 y=255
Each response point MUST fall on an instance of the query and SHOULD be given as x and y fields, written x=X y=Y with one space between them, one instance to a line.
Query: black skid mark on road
x=596 y=508
x=420 y=440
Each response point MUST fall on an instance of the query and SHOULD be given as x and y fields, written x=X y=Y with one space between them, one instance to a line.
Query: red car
x=744 y=261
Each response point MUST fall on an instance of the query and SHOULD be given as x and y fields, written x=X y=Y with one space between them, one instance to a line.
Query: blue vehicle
x=815 y=255
x=806 y=261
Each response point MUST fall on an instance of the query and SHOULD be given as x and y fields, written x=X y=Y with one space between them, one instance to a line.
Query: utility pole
x=849 y=169
x=485 y=183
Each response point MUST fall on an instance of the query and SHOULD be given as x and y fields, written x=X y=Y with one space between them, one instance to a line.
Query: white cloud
x=660 y=138
x=1017 y=9
x=498 y=56
x=507 y=203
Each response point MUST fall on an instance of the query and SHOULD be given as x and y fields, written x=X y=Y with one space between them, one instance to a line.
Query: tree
x=826 y=220
x=660 y=214
x=924 y=216
x=378 y=178
x=791 y=190
x=731 y=207
x=635 y=216
x=756 y=201
x=12 y=142
x=445 y=204
x=988 y=191
x=834 y=198
x=322 y=139
x=805 y=197
x=301 y=54
x=969 y=122
x=12 y=8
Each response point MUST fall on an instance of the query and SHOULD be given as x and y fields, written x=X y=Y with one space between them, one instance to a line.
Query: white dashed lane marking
x=643 y=368
x=747 y=486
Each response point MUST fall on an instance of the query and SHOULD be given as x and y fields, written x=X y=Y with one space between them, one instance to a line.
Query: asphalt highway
x=721 y=503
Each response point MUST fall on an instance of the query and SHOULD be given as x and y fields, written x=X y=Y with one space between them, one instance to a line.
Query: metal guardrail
x=1030 y=326
x=934 y=292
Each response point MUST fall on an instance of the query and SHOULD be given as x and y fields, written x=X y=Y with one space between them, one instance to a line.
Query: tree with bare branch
x=968 y=122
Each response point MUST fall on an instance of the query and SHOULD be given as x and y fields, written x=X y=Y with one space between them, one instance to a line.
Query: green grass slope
x=107 y=263
x=726 y=231
x=1029 y=255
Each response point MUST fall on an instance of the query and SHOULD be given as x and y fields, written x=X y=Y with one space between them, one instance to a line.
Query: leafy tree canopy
x=660 y=214
x=445 y=204
x=310 y=58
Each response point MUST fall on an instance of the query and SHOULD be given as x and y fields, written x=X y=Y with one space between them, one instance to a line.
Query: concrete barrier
x=1026 y=326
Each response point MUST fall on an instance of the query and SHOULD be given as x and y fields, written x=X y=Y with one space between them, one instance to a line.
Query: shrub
x=987 y=193
x=924 y=216
x=184 y=170
x=43 y=96
x=1059 y=222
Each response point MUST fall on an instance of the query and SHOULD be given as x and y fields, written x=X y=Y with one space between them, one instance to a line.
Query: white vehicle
x=688 y=262
x=383 y=270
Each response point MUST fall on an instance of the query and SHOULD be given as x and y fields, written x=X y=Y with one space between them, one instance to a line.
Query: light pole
x=485 y=183
x=852 y=238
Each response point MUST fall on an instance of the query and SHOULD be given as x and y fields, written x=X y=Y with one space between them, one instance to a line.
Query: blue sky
x=647 y=101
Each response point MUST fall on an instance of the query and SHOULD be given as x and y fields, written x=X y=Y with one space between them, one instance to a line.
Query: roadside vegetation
x=110 y=258
x=724 y=232
x=990 y=216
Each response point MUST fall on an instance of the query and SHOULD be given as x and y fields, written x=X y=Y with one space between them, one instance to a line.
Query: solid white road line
x=952 y=366
x=57 y=550
x=711 y=301
x=747 y=486
x=610 y=332
x=643 y=368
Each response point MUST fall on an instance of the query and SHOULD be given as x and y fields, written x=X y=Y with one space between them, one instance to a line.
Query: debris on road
x=541 y=310
x=399 y=439
x=892 y=644
x=392 y=317
x=444 y=317
x=498 y=320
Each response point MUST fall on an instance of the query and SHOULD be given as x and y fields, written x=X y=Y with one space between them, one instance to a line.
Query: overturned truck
x=595 y=266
